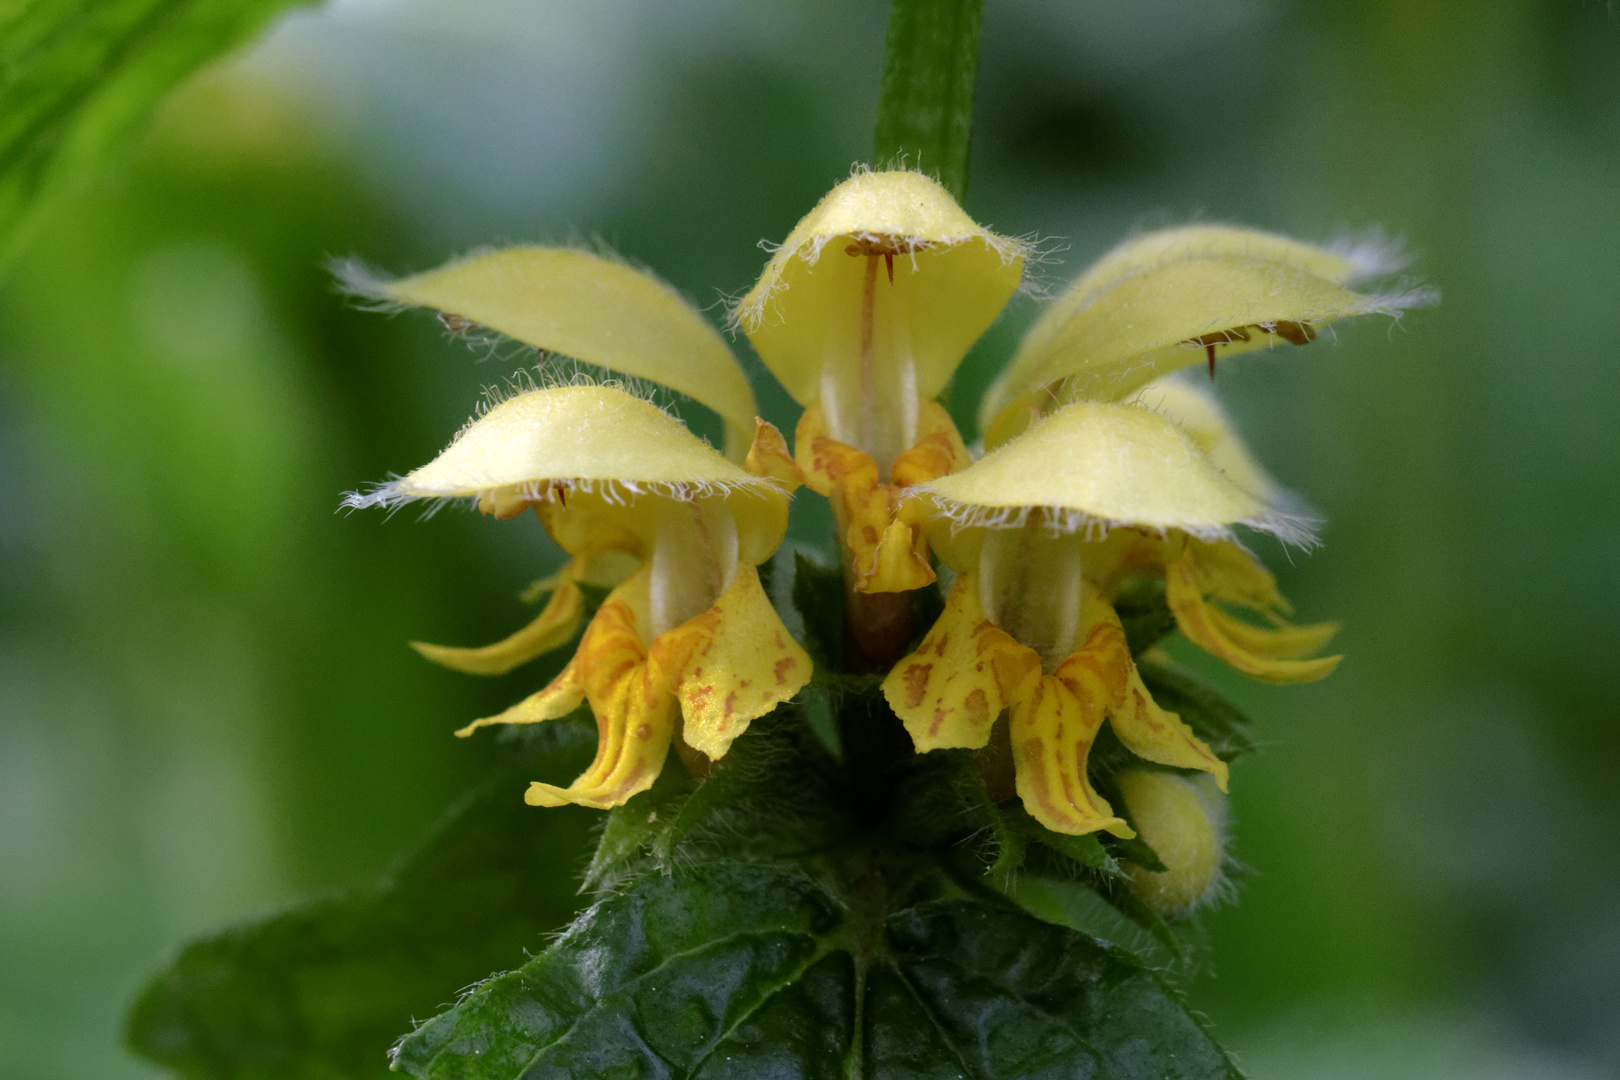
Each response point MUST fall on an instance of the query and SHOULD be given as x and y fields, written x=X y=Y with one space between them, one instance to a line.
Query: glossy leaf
x=737 y=970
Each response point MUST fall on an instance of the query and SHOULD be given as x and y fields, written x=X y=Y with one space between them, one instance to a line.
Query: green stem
x=925 y=111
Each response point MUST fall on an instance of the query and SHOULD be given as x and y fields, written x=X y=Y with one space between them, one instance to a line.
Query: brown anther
x=889 y=246
x=1219 y=337
x=1295 y=333
x=459 y=325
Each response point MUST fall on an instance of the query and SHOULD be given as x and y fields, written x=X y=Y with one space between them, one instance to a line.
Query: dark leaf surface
x=732 y=969
x=324 y=991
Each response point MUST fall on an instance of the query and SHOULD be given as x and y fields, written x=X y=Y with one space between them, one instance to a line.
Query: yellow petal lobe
x=1201 y=625
x=1158 y=735
x=560 y=697
x=1102 y=670
x=1281 y=642
x=769 y=457
x=965 y=671
x=550 y=630
x=633 y=706
x=1052 y=729
x=593 y=309
x=885 y=545
x=732 y=664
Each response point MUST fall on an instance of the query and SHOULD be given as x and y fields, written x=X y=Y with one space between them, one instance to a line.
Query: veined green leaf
x=324 y=991
x=78 y=79
x=736 y=970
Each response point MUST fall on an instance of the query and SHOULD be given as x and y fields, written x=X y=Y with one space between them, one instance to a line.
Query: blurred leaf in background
x=79 y=79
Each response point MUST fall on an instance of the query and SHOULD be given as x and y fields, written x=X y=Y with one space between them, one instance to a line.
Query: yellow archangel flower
x=686 y=648
x=864 y=313
x=1103 y=471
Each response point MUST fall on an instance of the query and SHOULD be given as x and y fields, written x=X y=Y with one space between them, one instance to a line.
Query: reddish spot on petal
x=869 y=534
x=977 y=706
x=644 y=732
x=939 y=645
x=783 y=666
x=939 y=721
x=917 y=683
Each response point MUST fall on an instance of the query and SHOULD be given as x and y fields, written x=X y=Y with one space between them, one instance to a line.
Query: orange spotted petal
x=963 y=674
x=1102 y=670
x=730 y=665
x=633 y=706
x=1052 y=729
x=887 y=548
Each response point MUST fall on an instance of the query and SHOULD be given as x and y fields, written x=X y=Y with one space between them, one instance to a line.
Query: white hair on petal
x=1290 y=529
x=1373 y=253
x=364 y=284
x=392 y=495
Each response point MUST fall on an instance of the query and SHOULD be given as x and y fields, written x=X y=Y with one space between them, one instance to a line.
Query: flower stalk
x=925 y=112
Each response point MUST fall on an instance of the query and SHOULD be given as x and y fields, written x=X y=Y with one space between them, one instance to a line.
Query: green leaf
x=1144 y=612
x=1212 y=717
x=818 y=594
x=736 y=970
x=1086 y=851
x=78 y=80
x=925 y=111
x=324 y=991
x=768 y=800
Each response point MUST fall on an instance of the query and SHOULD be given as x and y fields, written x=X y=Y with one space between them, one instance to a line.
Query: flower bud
x=1182 y=820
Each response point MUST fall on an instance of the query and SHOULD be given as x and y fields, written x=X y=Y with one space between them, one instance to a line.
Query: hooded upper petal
x=1159 y=302
x=593 y=309
x=1196 y=411
x=873 y=300
x=1096 y=461
x=582 y=434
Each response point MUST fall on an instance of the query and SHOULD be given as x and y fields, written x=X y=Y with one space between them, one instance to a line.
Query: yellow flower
x=863 y=314
x=686 y=649
x=1101 y=471
x=1174 y=298
x=588 y=307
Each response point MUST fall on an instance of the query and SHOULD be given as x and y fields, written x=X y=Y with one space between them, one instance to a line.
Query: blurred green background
x=206 y=707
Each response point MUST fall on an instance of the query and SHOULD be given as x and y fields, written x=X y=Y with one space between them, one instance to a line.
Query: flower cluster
x=1102 y=467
